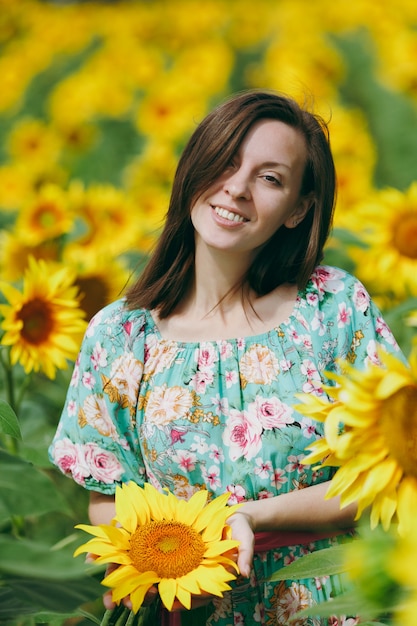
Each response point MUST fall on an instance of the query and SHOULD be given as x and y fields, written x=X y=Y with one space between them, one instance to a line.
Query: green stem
x=131 y=619
x=9 y=379
x=10 y=443
x=122 y=619
x=107 y=617
x=22 y=391
x=114 y=616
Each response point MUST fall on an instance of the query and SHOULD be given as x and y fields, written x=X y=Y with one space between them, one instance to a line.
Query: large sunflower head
x=388 y=228
x=182 y=546
x=371 y=434
x=43 y=323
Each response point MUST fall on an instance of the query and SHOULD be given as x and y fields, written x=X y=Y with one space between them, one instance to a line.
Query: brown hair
x=290 y=255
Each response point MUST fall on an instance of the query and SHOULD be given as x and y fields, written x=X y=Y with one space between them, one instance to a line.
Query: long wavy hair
x=290 y=255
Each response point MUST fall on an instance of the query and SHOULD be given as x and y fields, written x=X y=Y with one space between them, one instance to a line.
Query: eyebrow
x=275 y=164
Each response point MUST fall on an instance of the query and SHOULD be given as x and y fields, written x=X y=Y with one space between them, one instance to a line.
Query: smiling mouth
x=229 y=215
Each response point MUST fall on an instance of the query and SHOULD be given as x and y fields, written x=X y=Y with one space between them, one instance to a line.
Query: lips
x=229 y=215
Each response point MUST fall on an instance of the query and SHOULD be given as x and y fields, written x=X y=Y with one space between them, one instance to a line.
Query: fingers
x=241 y=526
x=108 y=602
x=90 y=557
x=244 y=560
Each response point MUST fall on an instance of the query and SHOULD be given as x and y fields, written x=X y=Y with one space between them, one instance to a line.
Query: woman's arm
x=302 y=509
x=299 y=510
x=101 y=509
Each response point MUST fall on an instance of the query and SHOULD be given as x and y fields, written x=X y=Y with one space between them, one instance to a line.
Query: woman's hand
x=242 y=526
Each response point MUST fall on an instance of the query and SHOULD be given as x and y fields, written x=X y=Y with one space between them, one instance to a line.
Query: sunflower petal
x=193 y=507
x=220 y=547
x=132 y=508
x=137 y=596
x=407 y=505
x=183 y=596
x=214 y=512
x=167 y=590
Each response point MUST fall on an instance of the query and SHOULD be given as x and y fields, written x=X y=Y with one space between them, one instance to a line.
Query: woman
x=231 y=319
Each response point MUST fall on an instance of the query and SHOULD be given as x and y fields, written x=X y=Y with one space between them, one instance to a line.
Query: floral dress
x=219 y=415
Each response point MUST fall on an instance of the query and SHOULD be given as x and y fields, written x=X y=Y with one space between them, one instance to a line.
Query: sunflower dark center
x=37 y=319
x=405 y=236
x=171 y=549
x=399 y=425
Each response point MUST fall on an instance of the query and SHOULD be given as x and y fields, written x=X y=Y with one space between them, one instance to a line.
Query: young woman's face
x=258 y=193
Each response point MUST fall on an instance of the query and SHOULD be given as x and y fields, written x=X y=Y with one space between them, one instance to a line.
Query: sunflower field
x=97 y=100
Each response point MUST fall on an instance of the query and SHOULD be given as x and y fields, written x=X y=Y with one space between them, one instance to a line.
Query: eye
x=272 y=179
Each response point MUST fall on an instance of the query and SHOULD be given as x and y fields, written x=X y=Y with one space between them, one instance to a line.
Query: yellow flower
x=108 y=219
x=43 y=323
x=45 y=216
x=390 y=227
x=15 y=252
x=158 y=539
x=402 y=568
x=170 y=108
x=100 y=280
x=33 y=142
x=15 y=185
x=371 y=433
x=354 y=160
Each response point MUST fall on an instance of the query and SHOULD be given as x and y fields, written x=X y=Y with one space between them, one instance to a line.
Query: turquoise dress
x=218 y=415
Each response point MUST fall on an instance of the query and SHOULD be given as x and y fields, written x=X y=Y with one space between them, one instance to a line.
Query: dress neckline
x=258 y=337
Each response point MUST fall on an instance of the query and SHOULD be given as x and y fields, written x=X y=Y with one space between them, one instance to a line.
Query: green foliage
x=9 y=423
x=36 y=578
x=26 y=490
x=391 y=116
x=370 y=593
x=323 y=563
x=38 y=581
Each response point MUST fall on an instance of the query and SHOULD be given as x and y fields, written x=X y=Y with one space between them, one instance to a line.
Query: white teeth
x=228 y=215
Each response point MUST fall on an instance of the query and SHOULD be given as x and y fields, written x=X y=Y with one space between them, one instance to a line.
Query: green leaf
x=54 y=595
x=390 y=113
x=22 y=557
x=58 y=619
x=348 y=603
x=25 y=490
x=324 y=562
x=9 y=424
x=12 y=606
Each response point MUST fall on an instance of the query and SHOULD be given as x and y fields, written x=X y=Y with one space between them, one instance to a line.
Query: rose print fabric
x=218 y=415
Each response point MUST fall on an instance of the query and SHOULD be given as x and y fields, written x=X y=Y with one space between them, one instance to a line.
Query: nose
x=236 y=185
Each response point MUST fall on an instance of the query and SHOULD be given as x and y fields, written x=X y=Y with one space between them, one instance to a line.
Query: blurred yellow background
x=97 y=100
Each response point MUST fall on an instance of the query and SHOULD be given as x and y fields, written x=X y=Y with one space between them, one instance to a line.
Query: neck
x=217 y=279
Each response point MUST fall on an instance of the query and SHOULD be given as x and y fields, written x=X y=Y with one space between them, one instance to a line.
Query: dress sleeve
x=368 y=332
x=96 y=441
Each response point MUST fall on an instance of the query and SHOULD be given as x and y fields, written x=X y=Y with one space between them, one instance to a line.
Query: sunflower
x=402 y=568
x=100 y=280
x=371 y=434
x=45 y=215
x=33 y=142
x=107 y=219
x=157 y=539
x=388 y=228
x=43 y=323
